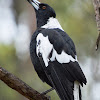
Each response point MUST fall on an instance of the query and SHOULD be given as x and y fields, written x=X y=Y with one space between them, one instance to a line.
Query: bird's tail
x=61 y=84
x=80 y=95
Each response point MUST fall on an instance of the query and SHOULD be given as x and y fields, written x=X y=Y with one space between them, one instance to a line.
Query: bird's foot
x=49 y=98
x=47 y=91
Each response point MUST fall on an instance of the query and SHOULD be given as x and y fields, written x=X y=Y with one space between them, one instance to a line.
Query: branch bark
x=21 y=87
x=96 y=4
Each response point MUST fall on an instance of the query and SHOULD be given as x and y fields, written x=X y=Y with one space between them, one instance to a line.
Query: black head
x=43 y=12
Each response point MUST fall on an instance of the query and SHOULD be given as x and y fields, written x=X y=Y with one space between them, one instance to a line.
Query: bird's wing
x=59 y=62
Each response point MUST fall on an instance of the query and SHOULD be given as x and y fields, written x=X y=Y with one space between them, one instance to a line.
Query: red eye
x=44 y=7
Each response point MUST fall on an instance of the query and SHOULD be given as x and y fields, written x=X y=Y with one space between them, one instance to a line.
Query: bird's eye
x=43 y=7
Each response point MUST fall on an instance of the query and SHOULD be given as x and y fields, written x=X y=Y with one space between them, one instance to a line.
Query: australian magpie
x=54 y=56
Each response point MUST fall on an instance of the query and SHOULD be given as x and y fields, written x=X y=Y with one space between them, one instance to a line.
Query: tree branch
x=96 y=4
x=18 y=85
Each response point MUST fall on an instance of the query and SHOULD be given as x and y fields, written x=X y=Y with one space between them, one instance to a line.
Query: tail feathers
x=62 y=85
x=66 y=89
x=77 y=91
x=75 y=72
x=80 y=95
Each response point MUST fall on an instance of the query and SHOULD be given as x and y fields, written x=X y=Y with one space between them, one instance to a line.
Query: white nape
x=44 y=47
x=76 y=90
x=52 y=23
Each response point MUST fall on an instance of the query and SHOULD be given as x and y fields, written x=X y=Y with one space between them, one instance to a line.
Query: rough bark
x=96 y=4
x=21 y=87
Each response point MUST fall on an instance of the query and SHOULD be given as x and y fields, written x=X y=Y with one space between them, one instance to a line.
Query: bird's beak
x=34 y=3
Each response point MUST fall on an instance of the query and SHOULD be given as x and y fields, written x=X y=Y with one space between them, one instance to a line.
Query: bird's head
x=43 y=12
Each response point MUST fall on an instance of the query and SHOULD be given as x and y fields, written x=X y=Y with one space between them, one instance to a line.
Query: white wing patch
x=45 y=47
x=62 y=58
x=52 y=23
x=76 y=90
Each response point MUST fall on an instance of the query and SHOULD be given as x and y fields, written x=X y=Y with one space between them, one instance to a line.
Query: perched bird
x=54 y=56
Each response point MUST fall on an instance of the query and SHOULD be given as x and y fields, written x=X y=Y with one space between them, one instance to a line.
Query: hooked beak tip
x=34 y=3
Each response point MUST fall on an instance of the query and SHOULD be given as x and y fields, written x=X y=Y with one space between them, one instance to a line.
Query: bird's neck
x=51 y=23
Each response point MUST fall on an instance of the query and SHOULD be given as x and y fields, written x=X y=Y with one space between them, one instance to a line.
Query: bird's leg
x=47 y=91
x=49 y=98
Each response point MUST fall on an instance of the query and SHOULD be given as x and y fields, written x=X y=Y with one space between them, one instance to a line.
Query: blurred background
x=17 y=24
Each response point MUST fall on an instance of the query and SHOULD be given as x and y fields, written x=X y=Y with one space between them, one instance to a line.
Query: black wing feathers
x=75 y=72
x=68 y=40
x=59 y=42
x=55 y=38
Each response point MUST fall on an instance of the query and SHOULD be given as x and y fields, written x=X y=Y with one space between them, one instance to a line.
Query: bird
x=54 y=56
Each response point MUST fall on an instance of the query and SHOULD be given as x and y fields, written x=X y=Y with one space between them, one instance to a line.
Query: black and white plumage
x=54 y=56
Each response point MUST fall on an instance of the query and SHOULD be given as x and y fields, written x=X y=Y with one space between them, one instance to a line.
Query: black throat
x=41 y=22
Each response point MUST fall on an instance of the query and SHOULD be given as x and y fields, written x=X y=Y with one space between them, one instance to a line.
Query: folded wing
x=59 y=63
